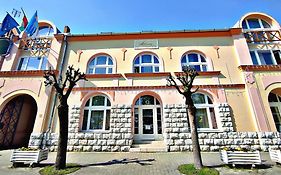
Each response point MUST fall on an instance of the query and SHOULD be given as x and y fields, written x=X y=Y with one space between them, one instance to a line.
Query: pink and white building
x=126 y=101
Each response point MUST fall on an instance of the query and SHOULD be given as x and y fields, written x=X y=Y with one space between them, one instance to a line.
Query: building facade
x=126 y=99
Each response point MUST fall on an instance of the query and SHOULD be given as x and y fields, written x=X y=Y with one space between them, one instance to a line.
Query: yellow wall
x=242 y=117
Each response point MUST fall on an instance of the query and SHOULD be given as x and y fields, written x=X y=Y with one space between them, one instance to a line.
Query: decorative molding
x=28 y=73
x=153 y=35
x=146 y=44
x=260 y=67
x=207 y=73
x=225 y=86
x=170 y=49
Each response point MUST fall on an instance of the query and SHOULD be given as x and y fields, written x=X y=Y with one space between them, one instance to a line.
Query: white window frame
x=91 y=108
x=260 y=22
x=140 y=64
x=154 y=107
x=258 y=58
x=207 y=106
x=25 y=66
x=276 y=104
x=199 y=63
x=106 y=65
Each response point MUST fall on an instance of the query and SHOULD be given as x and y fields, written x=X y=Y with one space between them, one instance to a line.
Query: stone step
x=151 y=146
x=148 y=150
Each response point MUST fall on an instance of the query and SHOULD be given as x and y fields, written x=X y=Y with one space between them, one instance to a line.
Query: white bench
x=275 y=155
x=240 y=157
x=30 y=157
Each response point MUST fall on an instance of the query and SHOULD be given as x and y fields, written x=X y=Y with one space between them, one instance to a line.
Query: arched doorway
x=147 y=119
x=16 y=122
x=274 y=99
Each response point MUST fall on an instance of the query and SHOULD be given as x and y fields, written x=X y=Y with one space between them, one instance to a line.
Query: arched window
x=275 y=107
x=45 y=31
x=205 y=113
x=101 y=64
x=255 y=23
x=146 y=63
x=97 y=113
x=195 y=60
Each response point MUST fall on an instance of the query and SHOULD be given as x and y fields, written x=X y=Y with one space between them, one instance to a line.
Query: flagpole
x=23 y=11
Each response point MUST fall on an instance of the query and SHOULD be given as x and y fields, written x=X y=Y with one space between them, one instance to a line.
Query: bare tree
x=186 y=80
x=72 y=76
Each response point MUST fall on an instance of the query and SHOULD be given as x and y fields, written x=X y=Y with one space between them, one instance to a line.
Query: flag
x=24 y=22
x=8 y=24
x=32 y=25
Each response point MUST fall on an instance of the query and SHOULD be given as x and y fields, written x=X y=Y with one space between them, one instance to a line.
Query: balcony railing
x=37 y=46
x=262 y=36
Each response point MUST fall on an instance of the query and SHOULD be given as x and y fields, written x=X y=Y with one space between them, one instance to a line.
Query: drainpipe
x=65 y=42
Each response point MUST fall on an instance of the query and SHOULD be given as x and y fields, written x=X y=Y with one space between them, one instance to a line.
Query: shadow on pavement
x=142 y=162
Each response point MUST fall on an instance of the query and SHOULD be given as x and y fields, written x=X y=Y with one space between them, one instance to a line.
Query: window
x=275 y=107
x=194 y=60
x=45 y=31
x=254 y=23
x=265 y=57
x=33 y=63
x=205 y=113
x=102 y=64
x=97 y=114
x=146 y=63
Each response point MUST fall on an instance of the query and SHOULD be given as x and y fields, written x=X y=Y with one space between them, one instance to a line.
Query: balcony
x=37 y=46
x=262 y=36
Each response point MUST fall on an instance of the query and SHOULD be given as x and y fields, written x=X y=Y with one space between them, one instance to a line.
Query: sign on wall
x=146 y=44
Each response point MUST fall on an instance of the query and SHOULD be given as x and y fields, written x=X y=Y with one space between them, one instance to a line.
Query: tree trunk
x=191 y=110
x=63 y=136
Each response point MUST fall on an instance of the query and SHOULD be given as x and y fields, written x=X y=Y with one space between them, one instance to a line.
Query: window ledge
x=208 y=130
x=104 y=76
x=94 y=131
x=28 y=73
x=154 y=74
x=207 y=73
x=260 y=67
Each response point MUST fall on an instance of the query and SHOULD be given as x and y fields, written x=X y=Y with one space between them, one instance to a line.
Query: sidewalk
x=135 y=163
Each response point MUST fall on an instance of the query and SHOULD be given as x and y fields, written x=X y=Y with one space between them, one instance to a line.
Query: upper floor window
x=205 y=113
x=254 y=23
x=146 y=63
x=33 y=63
x=97 y=114
x=101 y=64
x=194 y=60
x=45 y=31
x=265 y=57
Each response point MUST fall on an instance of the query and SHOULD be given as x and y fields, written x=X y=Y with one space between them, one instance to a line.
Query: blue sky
x=95 y=16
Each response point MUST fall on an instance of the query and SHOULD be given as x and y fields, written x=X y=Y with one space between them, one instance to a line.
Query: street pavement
x=136 y=164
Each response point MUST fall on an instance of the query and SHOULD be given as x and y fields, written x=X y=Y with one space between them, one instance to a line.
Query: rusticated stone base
x=176 y=133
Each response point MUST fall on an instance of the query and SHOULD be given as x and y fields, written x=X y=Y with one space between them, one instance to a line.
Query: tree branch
x=172 y=82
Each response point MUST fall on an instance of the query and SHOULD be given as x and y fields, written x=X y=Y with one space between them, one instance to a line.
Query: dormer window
x=254 y=23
